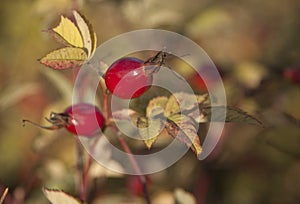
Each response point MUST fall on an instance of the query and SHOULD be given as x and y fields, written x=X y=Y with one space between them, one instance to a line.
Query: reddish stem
x=136 y=168
x=134 y=164
x=79 y=165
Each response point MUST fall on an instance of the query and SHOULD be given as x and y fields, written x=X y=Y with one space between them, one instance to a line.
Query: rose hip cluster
x=126 y=78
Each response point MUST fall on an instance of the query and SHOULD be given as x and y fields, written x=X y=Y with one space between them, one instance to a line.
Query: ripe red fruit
x=84 y=119
x=130 y=77
x=126 y=78
x=81 y=119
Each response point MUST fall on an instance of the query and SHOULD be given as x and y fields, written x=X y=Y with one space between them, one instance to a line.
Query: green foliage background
x=251 y=42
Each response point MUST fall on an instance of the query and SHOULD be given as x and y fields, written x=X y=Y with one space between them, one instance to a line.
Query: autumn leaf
x=149 y=130
x=179 y=116
x=59 y=197
x=64 y=58
x=68 y=32
x=229 y=114
x=156 y=106
x=88 y=35
x=184 y=103
x=80 y=38
x=184 y=129
x=172 y=106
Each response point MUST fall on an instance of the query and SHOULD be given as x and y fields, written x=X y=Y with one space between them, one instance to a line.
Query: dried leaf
x=229 y=114
x=59 y=197
x=68 y=31
x=65 y=58
x=183 y=128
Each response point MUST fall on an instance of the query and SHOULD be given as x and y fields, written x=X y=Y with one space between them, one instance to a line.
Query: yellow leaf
x=64 y=58
x=68 y=31
x=172 y=106
x=87 y=33
x=202 y=98
x=156 y=106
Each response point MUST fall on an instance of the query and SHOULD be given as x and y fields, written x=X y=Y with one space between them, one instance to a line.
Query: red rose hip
x=81 y=119
x=84 y=119
x=126 y=78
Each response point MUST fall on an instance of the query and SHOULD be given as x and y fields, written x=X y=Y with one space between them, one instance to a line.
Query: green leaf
x=149 y=130
x=65 y=58
x=59 y=197
x=184 y=129
x=232 y=115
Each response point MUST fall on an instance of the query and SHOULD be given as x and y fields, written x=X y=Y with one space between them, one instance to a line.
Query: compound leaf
x=79 y=36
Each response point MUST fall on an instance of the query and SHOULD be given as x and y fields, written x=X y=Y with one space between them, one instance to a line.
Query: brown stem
x=52 y=127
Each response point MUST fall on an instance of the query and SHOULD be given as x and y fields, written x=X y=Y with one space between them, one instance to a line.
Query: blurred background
x=256 y=47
